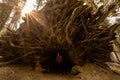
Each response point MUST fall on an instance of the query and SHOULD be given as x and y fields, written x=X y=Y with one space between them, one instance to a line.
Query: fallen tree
x=77 y=31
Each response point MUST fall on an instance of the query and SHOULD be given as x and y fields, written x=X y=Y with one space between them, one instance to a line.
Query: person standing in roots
x=59 y=62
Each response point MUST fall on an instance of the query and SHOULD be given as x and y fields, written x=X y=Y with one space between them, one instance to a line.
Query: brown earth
x=88 y=72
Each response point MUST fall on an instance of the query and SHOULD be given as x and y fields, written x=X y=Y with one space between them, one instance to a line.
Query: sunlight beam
x=0 y=1
x=29 y=6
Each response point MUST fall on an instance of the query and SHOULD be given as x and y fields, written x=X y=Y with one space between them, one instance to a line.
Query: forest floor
x=88 y=72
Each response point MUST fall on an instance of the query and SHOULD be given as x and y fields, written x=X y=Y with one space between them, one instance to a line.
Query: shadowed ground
x=88 y=72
